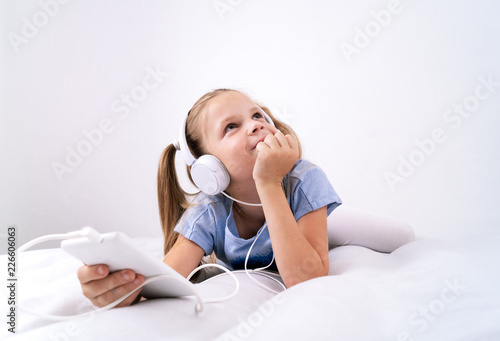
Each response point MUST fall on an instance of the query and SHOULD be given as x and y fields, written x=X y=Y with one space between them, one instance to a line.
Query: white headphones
x=208 y=173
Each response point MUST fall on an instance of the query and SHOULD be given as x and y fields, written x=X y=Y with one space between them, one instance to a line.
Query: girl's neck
x=248 y=219
x=246 y=192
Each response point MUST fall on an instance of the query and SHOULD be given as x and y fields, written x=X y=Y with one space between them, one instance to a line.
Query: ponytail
x=172 y=200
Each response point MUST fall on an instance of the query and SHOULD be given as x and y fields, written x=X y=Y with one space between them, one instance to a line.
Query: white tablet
x=118 y=251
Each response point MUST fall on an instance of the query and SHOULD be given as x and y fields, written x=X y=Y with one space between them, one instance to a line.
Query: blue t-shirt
x=210 y=222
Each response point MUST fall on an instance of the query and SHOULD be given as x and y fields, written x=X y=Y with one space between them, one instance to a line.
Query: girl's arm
x=300 y=247
x=184 y=256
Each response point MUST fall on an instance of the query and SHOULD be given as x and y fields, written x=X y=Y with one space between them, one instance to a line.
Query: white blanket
x=425 y=290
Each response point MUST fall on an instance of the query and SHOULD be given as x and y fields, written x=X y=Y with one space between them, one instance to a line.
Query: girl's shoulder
x=203 y=204
x=307 y=189
x=306 y=177
x=302 y=169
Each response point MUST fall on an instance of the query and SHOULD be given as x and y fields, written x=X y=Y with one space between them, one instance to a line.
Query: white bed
x=425 y=290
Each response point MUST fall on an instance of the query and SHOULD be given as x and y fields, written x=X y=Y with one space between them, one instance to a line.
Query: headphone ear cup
x=210 y=175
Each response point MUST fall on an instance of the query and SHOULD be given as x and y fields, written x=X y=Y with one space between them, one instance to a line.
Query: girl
x=263 y=160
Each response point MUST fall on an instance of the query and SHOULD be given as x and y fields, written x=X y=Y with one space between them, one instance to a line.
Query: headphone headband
x=181 y=144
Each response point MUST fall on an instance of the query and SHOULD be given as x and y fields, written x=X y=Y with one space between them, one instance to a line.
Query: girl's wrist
x=268 y=187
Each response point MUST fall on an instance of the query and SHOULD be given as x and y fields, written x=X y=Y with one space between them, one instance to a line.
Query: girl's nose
x=255 y=127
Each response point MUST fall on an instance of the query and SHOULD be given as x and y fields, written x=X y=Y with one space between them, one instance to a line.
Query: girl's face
x=232 y=126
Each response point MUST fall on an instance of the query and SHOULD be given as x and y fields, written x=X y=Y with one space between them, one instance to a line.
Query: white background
x=64 y=66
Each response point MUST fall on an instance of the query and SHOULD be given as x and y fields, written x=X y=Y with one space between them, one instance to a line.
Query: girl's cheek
x=235 y=168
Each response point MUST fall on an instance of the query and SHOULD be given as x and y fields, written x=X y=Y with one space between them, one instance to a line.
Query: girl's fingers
x=88 y=273
x=277 y=140
x=102 y=288
x=286 y=140
x=120 y=291
x=98 y=287
x=271 y=141
x=282 y=139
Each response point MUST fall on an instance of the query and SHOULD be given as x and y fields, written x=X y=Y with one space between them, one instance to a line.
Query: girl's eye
x=257 y=115
x=229 y=127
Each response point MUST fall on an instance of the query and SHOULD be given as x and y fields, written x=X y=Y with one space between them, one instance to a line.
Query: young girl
x=262 y=157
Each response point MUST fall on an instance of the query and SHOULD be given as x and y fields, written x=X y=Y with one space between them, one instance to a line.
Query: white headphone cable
x=250 y=250
x=239 y=201
x=86 y=231
x=199 y=306
x=95 y=236
x=263 y=268
x=225 y=298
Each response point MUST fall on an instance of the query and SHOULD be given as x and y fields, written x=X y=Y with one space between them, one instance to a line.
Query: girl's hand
x=276 y=155
x=103 y=288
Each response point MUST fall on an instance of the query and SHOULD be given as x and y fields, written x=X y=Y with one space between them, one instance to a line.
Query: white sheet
x=425 y=290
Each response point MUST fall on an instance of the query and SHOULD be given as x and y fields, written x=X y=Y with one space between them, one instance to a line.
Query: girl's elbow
x=295 y=279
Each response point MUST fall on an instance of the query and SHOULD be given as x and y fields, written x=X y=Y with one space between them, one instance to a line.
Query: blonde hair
x=172 y=199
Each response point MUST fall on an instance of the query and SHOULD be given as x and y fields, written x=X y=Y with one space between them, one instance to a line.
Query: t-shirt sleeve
x=198 y=224
x=312 y=190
